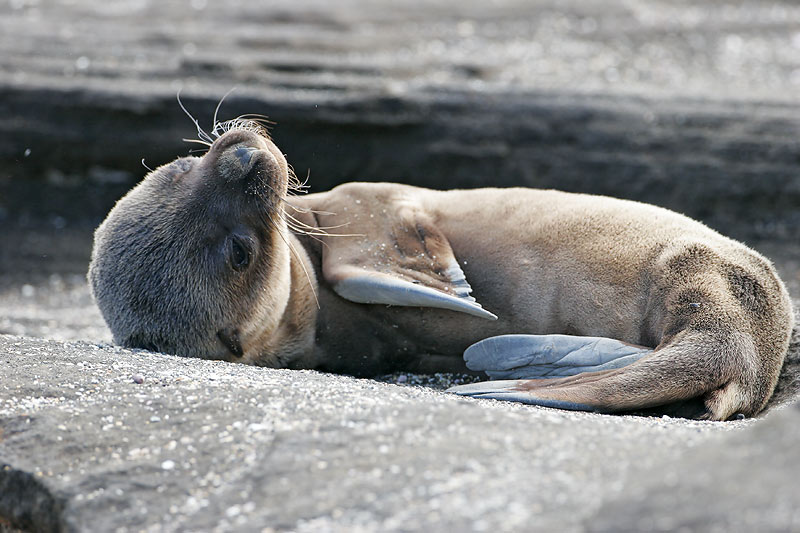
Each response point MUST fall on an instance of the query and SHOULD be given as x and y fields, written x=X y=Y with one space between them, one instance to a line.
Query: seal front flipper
x=547 y=356
x=393 y=254
x=369 y=287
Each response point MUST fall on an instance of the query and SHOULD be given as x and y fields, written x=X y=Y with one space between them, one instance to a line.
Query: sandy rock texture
x=97 y=438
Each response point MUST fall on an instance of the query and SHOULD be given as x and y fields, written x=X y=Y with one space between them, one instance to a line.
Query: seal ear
x=395 y=255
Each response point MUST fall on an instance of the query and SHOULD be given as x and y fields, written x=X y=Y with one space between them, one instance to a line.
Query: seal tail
x=718 y=368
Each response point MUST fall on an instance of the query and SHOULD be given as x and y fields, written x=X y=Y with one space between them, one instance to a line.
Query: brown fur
x=543 y=261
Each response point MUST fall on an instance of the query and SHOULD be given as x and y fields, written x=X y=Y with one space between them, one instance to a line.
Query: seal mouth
x=261 y=173
x=252 y=163
x=240 y=150
x=230 y=339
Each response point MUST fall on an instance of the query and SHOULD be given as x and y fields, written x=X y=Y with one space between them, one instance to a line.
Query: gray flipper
x=542 y=359
x=380 y=288
x=549 y=356
x=505 y=390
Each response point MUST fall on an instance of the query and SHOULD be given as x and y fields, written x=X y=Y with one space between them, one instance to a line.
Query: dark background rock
x=687 y=106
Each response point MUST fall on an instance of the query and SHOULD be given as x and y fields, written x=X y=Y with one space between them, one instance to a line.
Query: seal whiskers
x=200 y=132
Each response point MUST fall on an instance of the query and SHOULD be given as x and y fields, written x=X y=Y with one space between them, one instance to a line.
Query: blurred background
x=694 y=106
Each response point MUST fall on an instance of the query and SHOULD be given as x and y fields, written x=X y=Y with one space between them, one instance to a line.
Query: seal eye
x=239 y=254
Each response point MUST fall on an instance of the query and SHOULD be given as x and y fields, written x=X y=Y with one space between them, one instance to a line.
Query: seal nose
x=242 y=156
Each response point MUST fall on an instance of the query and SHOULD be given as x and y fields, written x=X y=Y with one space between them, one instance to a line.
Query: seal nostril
x=245 y=154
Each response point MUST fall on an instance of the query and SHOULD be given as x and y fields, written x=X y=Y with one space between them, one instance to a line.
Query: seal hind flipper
x=692 y=364
x=395 y=256
x=543 y=356
x=508 y=390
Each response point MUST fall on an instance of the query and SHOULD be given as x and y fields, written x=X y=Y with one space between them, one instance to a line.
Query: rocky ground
x=98 y=438
x=686 y=105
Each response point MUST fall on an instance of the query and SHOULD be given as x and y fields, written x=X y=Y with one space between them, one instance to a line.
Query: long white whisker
x=295 y=185
x=320 y=228
x=311 y=235
x=200 y=133
x=219 y=104
x=300 y=222
x=198 y=141
x=307 y=209
x=299 y=259
x=258 y=117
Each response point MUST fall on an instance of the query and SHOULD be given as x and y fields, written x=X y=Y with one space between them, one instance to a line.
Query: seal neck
x=291 y=343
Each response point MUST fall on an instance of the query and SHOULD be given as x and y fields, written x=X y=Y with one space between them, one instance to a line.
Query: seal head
x=194 y=261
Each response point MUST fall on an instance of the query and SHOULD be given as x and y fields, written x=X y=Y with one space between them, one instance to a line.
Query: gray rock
x=202 y=445
x=748 y=482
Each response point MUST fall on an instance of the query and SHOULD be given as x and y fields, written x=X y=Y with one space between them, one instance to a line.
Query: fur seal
x=576 y=301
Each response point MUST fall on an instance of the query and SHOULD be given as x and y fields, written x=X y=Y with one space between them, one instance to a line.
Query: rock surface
x=98 y=438
x=748 y=482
